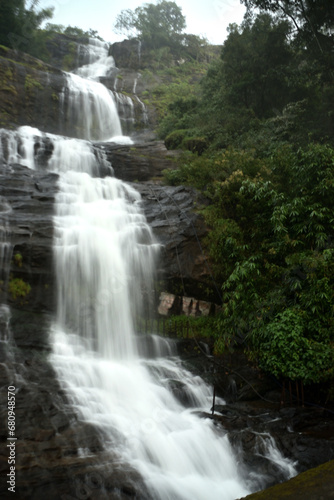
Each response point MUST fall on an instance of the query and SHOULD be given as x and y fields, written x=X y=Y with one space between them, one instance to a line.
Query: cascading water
x=104 y=257
x=99 y=63
x=6 y=249
x=90 y=110
x=126 y=111
x=104 y=252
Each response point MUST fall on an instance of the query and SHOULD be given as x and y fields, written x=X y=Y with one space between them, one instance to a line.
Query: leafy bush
x=174 y=140
x=195 y=144
x=286 y=351
x=18 y=288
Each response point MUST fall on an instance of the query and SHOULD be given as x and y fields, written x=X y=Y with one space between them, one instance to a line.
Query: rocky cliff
x=34 y=93
x=29 y=92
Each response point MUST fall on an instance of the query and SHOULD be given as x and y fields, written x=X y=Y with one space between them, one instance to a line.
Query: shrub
x=174 y=140
x=18 y=288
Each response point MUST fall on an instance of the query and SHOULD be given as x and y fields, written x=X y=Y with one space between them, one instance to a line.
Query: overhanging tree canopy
x=313 y=20
x=19 y=21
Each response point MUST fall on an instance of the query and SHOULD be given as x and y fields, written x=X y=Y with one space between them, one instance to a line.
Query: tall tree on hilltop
x=154 y=23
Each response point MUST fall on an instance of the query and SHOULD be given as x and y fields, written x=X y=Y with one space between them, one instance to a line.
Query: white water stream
x=104 y=257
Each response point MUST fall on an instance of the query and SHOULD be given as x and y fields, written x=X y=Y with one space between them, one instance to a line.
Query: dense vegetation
x=20 y=28
x=259 y=142
x=158 y=24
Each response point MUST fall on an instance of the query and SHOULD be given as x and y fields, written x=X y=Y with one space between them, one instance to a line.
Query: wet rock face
x=55 y=454
x=253 y=428
x=67 y=53
x=183 y=264
x=170 y=304
x=30 y=92
x=54 y=449
x=129 y=54
x=28 y=229
x=140 y=162
x=254 y=415
x=170 y=212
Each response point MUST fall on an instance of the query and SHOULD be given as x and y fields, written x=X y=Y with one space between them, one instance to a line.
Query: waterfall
x=126 y=111
x=104 y=253
x=99 y=63
x=6 y=250
x=89 y=110
x=104 y=258
x=144 y=110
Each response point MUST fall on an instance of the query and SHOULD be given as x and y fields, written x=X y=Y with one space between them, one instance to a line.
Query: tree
x=251 y=81
x=19 y=23
x=156 y=24
x=256 y=60
x=313 y=20
x=11 y=13
x=273 y=238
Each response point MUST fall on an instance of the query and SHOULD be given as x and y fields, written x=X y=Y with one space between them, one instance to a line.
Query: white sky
x=209 y=18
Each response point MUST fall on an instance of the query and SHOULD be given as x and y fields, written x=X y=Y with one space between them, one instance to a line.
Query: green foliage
x=312 y=21
x=181 y=326
x=271 y=247
x=263 y=115
x=195 y=144
x=70 y=59
x=285 y=350
x=72 y=31
x=264 y=92
x=167 y=82
x=179 y=116
x=156 y=24
x=278 y=257
x=18 y=288
x=203 y=326
x=256 y=60
x=174 y=140
x=19 y=22
x=18 y=259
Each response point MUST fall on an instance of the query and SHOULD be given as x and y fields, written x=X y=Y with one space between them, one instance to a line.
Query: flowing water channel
x=105 y=255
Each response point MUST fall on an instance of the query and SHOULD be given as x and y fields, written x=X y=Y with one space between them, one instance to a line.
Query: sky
x=209 y=18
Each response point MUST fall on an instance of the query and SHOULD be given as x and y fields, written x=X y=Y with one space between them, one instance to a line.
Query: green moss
x=31 y=84
x=314 y=483
x=70 y=58
x=18 y=259
x=30 y=63
x=18 y=288
x=7 y=81
x=4 y=119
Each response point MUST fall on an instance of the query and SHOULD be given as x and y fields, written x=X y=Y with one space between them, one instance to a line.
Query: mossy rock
x=317 y=483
